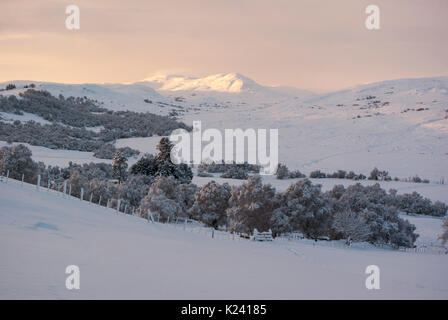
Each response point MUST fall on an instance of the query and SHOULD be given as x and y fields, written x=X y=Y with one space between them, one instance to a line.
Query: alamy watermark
x=72 y=21
x=212 y=146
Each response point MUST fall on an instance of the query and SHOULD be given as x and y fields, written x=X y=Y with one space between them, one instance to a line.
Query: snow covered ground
x=122 y=256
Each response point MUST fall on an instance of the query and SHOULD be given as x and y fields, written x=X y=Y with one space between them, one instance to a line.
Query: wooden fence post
x=99 y=201
x=38 y=182
x=7 y=176
x=118 y=206
x=23 y=176
x=82 y=194
x=91 y=197
x=65 y=188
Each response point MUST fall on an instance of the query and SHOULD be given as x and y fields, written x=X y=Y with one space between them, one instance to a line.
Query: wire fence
x=66 y=190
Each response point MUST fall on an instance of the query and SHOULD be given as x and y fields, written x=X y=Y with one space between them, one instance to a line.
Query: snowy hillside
x=397 y=125
x=122 y=256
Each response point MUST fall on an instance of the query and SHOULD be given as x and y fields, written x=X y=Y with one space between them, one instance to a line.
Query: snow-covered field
x=122 y=256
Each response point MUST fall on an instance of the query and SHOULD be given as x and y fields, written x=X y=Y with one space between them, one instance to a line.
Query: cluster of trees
x=108 y=150
x=355 y=213
x=284 y=173
x=228 y=170
x=161 y=164
x=340 y=174
x=71 y=116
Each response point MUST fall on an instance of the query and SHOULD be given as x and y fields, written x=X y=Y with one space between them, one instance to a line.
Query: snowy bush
x=211 y=203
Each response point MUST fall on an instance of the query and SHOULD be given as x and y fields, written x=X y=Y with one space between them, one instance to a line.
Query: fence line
x=61 y=190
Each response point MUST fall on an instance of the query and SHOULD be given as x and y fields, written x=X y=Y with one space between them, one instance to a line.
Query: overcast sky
x=319 y=45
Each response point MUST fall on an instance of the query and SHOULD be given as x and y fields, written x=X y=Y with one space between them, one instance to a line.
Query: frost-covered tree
x=307 y=208
x=134 y=189
x=119 y=166
x=251 y=206
x=162 y=200
x=17 y=159
x=168 y=198
x=351 y=225
x=211 y=203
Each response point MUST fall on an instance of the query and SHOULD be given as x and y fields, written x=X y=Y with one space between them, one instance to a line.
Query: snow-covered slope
x=396 y=125
x=111 y=96
x=122 y=256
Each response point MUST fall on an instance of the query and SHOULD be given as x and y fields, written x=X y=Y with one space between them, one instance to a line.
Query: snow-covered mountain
x=222 y=88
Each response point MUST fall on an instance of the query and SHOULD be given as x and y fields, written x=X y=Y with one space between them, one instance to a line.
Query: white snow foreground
x=121 y=256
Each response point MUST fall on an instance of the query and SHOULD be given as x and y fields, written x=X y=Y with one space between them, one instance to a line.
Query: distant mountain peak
x=222 y=82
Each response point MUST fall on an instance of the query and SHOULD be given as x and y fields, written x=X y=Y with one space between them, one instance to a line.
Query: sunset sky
x=319 y=45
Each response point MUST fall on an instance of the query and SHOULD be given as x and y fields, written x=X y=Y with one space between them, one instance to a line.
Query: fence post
x=125 y=208
x=82 y=194
x=99 y=202
x=7 y=176
x=23 y=176
x=118 y=206
x=70 y=191
x=213 y=233
x=108 y=201
x=38 y=182
x=91 y=197
x=150 y=216
x=48 y=185
x=185 y=224
x=65 y=188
